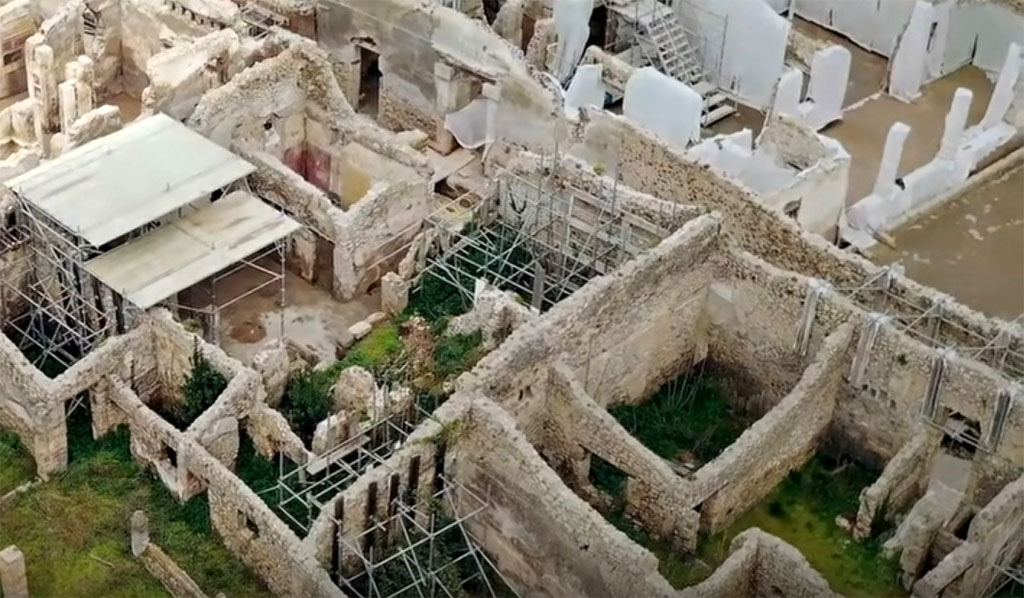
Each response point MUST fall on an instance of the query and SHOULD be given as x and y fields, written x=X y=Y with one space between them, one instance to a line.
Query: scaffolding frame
x=409 y=531
x=926 y=324
x=66 y=317
x=567 y=234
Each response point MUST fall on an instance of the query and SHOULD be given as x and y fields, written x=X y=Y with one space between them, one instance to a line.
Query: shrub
x=456 y=353
x=201 y=389
x=307 y=401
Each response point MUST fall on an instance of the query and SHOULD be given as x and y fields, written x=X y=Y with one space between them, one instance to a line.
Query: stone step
x=716 y=115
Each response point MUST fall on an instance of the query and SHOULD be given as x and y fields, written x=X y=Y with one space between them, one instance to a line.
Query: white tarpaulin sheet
x=470 y=124
x=586 y=88
x=666 y=107
x=572 y=23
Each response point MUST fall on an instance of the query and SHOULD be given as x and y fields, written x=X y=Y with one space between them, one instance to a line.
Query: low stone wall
x=655 y=495
x=161 y=566
x=902 y=481
x=762 y=565
x=778 y=443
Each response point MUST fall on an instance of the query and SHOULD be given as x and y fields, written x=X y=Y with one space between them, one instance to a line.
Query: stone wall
x=646 y=164
x=655 y=496
x=623 y=335
x=760 y=564
x=902 y=481
x=543 y=537
x=778 y=443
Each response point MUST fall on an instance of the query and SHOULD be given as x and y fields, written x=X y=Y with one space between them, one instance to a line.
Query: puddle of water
x=971 y=248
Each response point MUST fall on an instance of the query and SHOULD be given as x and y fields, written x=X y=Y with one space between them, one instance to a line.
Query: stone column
x=956 y=120
x=140 y=532
x=394 y=293
x=13 y=580
x=891 y=156
x=1002 y=95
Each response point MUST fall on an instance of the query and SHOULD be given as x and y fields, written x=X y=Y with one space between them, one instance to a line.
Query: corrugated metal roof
x=155 y=266
x=118 y=183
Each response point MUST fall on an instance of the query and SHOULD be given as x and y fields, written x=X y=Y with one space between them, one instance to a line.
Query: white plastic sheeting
x=752 y=45
x=735 y=155
x=666 y=107
x=907 y=69
x=586 y=88
x=572 y=24
x=830 y=71
x=472 y=126
x=874 y=25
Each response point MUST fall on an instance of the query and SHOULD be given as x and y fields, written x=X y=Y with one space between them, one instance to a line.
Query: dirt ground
x=971 y=247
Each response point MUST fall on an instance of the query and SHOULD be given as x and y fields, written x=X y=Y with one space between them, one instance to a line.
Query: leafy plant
x=201 y=389
x=307 y=401
x=456 y=353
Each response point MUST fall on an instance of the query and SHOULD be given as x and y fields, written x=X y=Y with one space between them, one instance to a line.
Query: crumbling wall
x=778 y=443
x=644 y=163
x=655 y=495
x=543 y=537
x=179 y=76
x=22 y=395
x=902 y=481
x=623 y=335
x=760 y=564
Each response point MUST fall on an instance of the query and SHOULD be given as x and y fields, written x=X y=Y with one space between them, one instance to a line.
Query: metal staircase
x=663 y=43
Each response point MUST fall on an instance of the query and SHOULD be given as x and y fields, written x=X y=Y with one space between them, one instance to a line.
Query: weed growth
x=200 y=390
x=688 y=414
x=307 y=401
x=456 y=353
x=16 y=463
x=73 y=529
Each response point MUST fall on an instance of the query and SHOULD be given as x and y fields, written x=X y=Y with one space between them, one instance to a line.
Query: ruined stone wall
x=383 y=221
x=902 y=481
x=646 y=164
x=624 y=334
x=778 y=443
x=755 y=313
x=22 y=394
x=760 y=564
x=543 y=538
x=275 y=182
x=655 y=496
x=179 y=76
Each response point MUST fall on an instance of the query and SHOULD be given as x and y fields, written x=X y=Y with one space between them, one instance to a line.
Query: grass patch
x=260 y=474
x=684 y=415
x=73 y=529
x=454 y=354
x=802 y=511
x=16 y=463
x=376 y=352
x=680 y=570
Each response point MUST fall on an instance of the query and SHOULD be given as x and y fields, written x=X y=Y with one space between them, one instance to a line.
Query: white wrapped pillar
x=1002 y=95
x=956 y=120
x=891 y=156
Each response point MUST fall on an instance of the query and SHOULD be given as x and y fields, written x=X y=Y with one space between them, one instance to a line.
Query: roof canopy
x=155 y=266
x=119 y=183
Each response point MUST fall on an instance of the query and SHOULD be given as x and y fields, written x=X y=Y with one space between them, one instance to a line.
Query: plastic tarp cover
x=469 y=125
x=907 y=69
x=666 y=107
x=755 y=50
x=586 y=88
x=572 y=23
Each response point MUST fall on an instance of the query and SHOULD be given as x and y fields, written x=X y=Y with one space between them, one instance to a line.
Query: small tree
x=201 y=389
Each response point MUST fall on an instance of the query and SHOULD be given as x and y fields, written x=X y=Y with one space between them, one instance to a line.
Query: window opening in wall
x=369 y=81
x=961 y=436
x=529 y=23
x=598 y=26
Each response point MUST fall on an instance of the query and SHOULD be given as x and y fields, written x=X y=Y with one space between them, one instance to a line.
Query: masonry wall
x=543 y=537
x=646 y=164
x=778 y=443
x=655 y=495
x=623 y=335
x=760 y=564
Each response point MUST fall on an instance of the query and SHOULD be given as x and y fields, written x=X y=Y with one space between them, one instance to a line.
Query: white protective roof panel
x=155 y=266
x=120 y=182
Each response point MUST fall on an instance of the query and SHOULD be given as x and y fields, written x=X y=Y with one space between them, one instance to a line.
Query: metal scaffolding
x=930 y=325
x=422 y=549
x=541 y=239
x=66 y=314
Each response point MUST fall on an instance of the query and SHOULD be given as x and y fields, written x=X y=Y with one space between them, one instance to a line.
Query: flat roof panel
x=120 y=182
x=155 y=266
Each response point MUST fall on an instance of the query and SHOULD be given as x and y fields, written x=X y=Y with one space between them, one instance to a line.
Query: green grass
x=802 y=511
x=456 y=353
x=686 y=415
x=375 y=352
x=16 y=463
x=260 y=473
x=73 y=529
